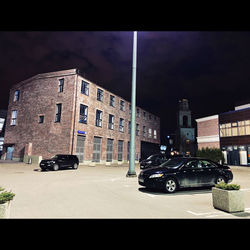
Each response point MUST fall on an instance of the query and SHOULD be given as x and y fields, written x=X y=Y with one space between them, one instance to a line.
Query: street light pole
x=131 y=171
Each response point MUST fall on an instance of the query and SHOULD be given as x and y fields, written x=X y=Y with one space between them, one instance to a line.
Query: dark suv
x=60 y=161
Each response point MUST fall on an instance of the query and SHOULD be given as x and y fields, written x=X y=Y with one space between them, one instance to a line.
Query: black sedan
x=185 y=172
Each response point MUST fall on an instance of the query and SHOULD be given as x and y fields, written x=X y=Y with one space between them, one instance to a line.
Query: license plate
x=141 y=180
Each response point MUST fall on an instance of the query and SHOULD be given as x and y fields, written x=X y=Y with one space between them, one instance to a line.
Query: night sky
x=209 y=68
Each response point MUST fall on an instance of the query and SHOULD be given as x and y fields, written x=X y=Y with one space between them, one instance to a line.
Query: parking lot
x=106 y=192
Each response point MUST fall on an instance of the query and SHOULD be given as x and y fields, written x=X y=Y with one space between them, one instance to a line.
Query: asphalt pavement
x=106 y=192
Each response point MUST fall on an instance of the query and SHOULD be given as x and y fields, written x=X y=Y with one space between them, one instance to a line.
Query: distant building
x=208 y=132
x=185 y=133
x=64 y=113
x=3 y=114
x=229 y=131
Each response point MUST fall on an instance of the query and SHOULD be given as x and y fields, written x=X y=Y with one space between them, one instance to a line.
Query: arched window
x=185 y=121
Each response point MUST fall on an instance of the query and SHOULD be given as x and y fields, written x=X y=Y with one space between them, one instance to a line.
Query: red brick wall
x=209 y=127
x=92 y=130
x=39 y=96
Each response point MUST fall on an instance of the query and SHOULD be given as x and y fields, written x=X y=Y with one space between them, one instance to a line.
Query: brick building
x=62 y=112
x=208 y=132
x=229 y=131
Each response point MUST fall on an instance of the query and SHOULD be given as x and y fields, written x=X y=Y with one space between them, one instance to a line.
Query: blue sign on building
x=81 y=132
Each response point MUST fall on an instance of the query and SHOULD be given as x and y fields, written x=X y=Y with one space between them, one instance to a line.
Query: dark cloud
x=211 y=69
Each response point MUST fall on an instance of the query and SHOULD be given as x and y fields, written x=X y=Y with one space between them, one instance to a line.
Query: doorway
x=80 y=148
x=9 y=154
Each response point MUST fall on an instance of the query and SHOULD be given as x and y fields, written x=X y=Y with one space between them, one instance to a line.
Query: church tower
x=185 y=132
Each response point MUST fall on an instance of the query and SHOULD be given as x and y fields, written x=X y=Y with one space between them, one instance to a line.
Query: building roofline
x=73 y=71
x=46 y=75
x=207 y=118
x=234 y=111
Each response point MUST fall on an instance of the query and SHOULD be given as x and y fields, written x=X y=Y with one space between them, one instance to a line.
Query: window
x=60 y=85
x=155 y=134
x=185 y=121
x=122 y=105
x=144 y=115
x=111 y=122
x=58 y=112
x=150 y=117
x=228 y=129
x=83 y=114
x=112 y=101
x=99 y=95
x=222 y=130
x=138 y=112
x=120 y=150
x=149 y=133
x=207 y=164
x=13 y=117
x=194 y=164
x=41 y=119
x=129 y=108
x=247 y=125
x=241 y=128
x=85 y=88
x=234 y=129
x=121 y=126
x=16 y=95
x=98 y=118
x=109 y=150
x=144 y=131
x=129 y=127
x=137 y=129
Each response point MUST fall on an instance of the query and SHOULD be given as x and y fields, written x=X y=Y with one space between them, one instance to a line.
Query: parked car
x=60 y=161
x=153 y=160
x=185 y=172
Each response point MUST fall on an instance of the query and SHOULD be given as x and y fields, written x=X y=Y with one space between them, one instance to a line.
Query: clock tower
x=185 y=132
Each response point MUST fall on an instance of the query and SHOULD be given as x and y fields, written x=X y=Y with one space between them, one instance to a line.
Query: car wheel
x=75 y=166
x=171 y=185
x=55 y=167
x=220 y=179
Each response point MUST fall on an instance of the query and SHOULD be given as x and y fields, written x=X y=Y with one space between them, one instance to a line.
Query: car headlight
x=155 y=175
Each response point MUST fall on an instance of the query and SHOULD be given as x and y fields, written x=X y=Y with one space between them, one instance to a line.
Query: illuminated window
x=222 y=130
x=241 y=128
x=228 y=129
x=234 y=129
x=247 y=125
x=149 y=133
x=155 y=134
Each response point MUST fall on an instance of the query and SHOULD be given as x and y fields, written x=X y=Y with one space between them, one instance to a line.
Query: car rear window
x=174 y=162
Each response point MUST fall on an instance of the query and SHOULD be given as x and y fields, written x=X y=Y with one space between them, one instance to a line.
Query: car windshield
x=173 y=163
x=55 y=157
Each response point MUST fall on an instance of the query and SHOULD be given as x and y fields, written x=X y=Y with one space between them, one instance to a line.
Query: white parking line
x=214 y=214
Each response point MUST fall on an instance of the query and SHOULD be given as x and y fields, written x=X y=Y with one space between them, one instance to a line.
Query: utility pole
x=131 y=171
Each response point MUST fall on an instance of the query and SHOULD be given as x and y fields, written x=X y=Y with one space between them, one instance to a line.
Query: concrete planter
x=228 y=200
x=5 y=210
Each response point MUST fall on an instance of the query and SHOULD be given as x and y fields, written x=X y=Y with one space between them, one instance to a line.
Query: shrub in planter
x=228 y=197
x=5 y=198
